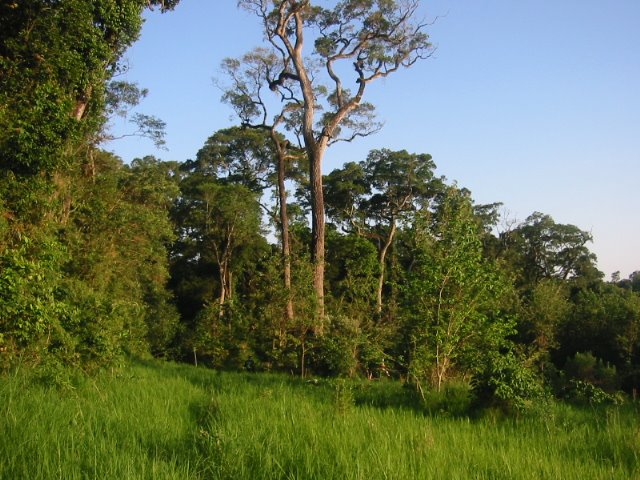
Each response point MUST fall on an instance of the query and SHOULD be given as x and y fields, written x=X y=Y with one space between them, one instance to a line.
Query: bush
x=585 y=392
x=585 y=367
x=454 y=399
x=343 y=398
x=509 y=384
x=337 y=352
x=385 y=393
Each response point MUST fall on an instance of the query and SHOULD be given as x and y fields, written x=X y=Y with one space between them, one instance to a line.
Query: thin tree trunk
x=223 y=287
x=284 y=230
x=302 y=360
x=286 y=261
x=82 y=102
x=382 y=259
x=224 y=263
x=315 y=146
x=317 y=236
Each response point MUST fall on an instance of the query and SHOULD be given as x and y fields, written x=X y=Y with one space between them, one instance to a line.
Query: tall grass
x=157 y=420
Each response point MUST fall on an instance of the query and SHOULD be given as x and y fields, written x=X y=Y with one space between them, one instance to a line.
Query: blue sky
x=535 y=104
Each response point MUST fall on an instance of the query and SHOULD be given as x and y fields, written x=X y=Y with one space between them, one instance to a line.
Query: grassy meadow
x=161 y=420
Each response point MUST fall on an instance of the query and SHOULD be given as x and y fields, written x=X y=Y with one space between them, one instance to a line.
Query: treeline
x=421 y=282
x=213 y=260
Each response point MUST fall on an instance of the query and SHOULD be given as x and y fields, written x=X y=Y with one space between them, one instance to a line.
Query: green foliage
x=454 y=399
x=606 y=322
x=545 y=310
x=30 y=309
x=584 y=367
x=217 y=226
x=383 y=188
x=33 y=135
x=417 y=284
x=90 y=293
x=239 y=156
x=80 y=255
x=117 y=280
x=351 y=273
x=55 y=60
x=343 y=396
x=455 y=299
x=338 y=350
x=540 y=248
x=507 y=382
x=211 y=338
x=586 y=392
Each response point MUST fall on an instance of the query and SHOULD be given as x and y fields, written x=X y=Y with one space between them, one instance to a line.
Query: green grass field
x=157 y=420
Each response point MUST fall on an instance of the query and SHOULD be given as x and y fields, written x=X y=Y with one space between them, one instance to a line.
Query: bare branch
x=274 y=84
x=354 y=135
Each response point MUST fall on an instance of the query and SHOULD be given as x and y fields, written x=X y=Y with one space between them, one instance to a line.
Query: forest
x=250 y=257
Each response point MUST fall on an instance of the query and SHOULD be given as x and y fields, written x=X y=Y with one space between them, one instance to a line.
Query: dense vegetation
x=168 y=421
x=210 y=260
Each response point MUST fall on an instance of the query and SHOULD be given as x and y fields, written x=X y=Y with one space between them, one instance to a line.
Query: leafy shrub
x=342 y=395
x=386 y=393
x=29 y=307
x=52 y=373
x=208 y=338
x=337 y=352
x=455 y=399
x=585 y=367
x=509 y=383
x=586 y=392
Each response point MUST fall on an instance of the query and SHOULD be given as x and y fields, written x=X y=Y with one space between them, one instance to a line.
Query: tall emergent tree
x=362 y=40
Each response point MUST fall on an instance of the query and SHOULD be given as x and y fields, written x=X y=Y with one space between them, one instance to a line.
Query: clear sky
x=535 y=104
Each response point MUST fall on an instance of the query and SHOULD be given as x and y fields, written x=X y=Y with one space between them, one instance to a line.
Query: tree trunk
x=382 y=259
x=223 y=287
x=286 y=253
x=82 y=102
x=317 y=236
x=284 y=230
x=302 y=359
x=224 y=263
x=315 y=149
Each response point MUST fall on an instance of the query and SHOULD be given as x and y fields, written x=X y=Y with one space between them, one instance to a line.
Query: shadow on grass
x=380 y=393
x=229 y=381
x=386 y=394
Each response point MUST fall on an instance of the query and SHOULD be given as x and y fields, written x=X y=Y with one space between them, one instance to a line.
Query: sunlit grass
x=156 y=420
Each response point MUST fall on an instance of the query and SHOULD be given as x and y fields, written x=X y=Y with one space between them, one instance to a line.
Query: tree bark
x=382 y=259
x=317 y=236
x=284 y=229
x=82 y=102
x=315 y=149
x=223 y=287
x=223 y=257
